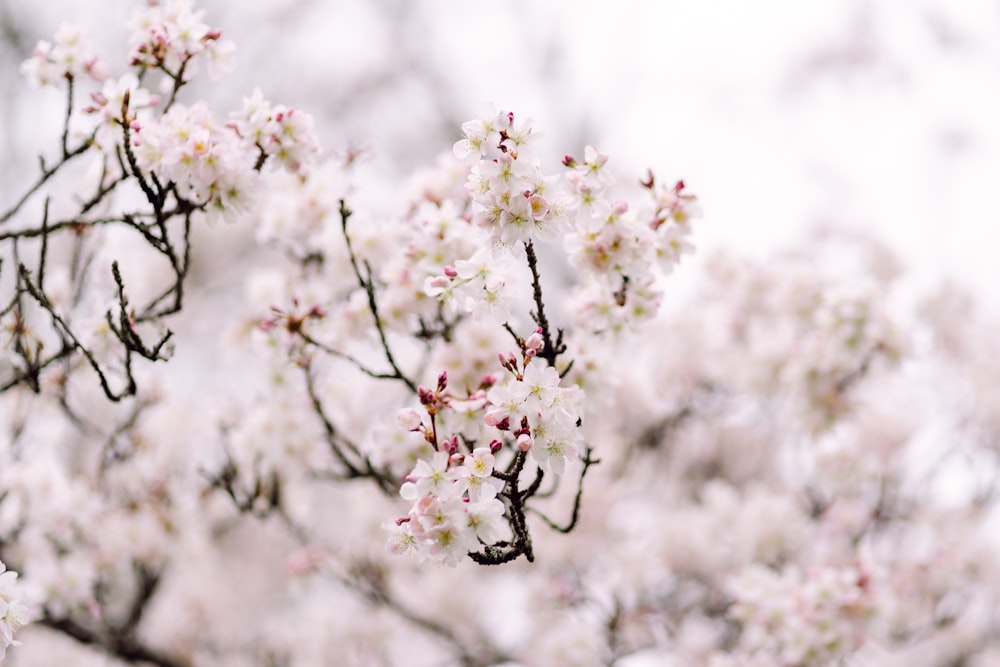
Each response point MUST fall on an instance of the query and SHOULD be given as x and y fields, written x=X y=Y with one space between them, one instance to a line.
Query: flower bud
x=425 y=395
x=533 y=344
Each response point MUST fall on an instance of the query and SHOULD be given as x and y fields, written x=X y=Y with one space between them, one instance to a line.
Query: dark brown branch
x=67 y=331
x=346 y=357
x=125 y=329
x=47 y=173
x=505 y=552
x=337 y=443
x=32 y=373
x=575 y=516
x=64 y=140
x=368 y=285
x=177 y=78
x=551 y=350
x=44 y=250
x=74 y=225
x=180 y=268
x=66 y=156
x=155 y=199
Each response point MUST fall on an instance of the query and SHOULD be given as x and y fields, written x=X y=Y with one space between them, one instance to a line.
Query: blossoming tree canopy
x=482 y=376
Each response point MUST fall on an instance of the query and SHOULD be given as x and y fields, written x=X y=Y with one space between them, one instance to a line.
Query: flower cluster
x=454 y=489
x=816 y=619
x=618 y=247
x=213 y=166
x=67 y=56
x=441 y=273
x=300 y=213
x=512 y=198
x=276 y=130
x=119 y=101
x=170 y=37
x=815 y=338
x=207 y=162
x=543 y=416
x=13 y=612
x=615 y=245
x=455 y=507
x=770 y=493
x=482 y=285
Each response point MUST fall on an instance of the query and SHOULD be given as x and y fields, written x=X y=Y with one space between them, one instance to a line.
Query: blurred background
x=876 y=115
x=879 y=116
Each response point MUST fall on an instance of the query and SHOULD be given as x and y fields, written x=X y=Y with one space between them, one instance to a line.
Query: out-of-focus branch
x=367 y=283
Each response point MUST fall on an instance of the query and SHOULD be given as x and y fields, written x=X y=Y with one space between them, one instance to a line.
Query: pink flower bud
x=493 y=418
x=450 y=272
x=509 y=362
x=524 y=442
x=650 y=180
x=534 y=343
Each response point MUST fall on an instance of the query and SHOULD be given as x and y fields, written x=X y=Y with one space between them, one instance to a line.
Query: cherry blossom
x=378 y=388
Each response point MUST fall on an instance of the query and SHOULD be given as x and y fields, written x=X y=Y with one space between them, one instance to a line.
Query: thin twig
x=575 y=516
x=367 y=284
x=551 y=351
x=364 y=469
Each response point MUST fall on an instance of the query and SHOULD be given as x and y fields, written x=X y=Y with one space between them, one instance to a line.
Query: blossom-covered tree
x=463 y=431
